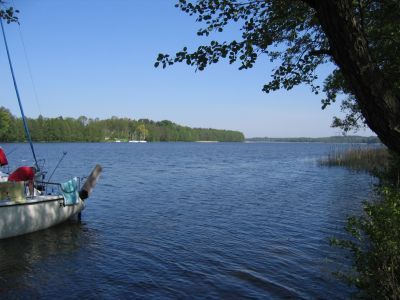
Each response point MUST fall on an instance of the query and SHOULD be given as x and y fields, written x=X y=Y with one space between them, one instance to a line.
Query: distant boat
x=137 y=141
x=118 y=141
x=28 y=203
x=140 y=140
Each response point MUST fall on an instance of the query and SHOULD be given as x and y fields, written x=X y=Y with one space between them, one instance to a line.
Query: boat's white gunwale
x=32 y=201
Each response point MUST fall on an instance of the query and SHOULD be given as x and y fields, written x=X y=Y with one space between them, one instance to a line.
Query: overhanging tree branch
x=300 y=35
x=320 y=52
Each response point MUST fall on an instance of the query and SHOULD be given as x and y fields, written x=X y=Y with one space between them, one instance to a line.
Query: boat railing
x=48 y=187
x=44 y=187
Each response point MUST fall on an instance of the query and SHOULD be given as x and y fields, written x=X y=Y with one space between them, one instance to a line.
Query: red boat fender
x=3 y=158
x=22 y=174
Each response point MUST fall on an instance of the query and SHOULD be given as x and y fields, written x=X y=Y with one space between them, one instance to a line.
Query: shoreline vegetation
x=351 y=139
x=85 y=129
x=373 y=236
x=369 y=159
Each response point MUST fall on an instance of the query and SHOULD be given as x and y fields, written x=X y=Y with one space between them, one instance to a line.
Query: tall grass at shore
x=373 y=236
x=369 y=159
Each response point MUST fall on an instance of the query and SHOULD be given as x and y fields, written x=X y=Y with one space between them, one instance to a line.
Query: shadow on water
x=22 y=257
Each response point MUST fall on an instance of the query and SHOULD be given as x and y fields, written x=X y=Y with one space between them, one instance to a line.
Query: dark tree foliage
x=7 y=13
x=361 y=37
x=84 y=129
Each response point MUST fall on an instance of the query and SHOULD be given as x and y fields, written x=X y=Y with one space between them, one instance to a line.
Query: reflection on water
x=23 y=257
x=187 y=220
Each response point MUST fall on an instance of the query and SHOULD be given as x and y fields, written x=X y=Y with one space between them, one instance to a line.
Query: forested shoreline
x=85 y=129
x=353 y=139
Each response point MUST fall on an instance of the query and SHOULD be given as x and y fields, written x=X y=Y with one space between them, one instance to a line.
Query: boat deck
x=32 y=200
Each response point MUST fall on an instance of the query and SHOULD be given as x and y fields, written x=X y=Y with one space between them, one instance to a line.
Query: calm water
x=190 y=220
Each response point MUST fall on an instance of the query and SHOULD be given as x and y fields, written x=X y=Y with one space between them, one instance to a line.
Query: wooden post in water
x=90 y=182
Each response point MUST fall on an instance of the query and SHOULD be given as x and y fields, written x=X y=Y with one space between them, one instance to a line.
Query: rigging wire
x=58 y=164
x=28 y=64
x=27 y=133
x=29 y=70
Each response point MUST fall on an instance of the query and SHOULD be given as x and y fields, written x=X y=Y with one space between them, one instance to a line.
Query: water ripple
x=191 y=221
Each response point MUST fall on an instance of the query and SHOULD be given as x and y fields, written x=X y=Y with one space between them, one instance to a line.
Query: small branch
x=320 y=52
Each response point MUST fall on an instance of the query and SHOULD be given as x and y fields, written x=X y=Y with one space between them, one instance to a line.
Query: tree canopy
x=7 y=13
x=361 y=38
x=85 y=129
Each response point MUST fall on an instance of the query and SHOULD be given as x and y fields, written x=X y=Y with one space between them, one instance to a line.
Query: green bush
x=375 y=245
x=375 y=237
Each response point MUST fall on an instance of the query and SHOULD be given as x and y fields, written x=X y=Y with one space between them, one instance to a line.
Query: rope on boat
x=59 y=162
x=28 y=135
x=29 y=68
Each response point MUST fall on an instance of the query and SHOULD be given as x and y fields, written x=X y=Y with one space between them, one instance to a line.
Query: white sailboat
x=28 y=203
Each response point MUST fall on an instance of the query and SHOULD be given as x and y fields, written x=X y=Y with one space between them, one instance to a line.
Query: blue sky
x=96 y=57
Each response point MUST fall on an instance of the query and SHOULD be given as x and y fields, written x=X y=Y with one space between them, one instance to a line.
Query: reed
x=359 y=159
x=373 y=236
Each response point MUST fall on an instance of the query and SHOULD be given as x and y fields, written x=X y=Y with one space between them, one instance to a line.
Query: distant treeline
x=332 y=139
x=84 y=129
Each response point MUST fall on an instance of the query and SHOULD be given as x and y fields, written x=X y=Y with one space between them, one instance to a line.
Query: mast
x=27 y=133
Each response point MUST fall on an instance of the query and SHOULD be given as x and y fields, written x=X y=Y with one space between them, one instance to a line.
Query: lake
x=190 y=220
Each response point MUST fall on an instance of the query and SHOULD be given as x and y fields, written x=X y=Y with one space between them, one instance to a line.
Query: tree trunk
x=376 y=97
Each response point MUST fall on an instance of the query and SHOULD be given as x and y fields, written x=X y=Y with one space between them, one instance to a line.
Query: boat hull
x=35 y=214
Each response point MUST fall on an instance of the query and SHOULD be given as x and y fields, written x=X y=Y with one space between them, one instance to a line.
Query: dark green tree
x=5 y=122
x=83 y=129
x=361 y=37
x=7 y=13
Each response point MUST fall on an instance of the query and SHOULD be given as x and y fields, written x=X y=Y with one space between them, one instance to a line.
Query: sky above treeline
x=96 y=58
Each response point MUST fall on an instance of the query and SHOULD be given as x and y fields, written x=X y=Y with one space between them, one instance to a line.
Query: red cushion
x=3 y=158
x=22 y=174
